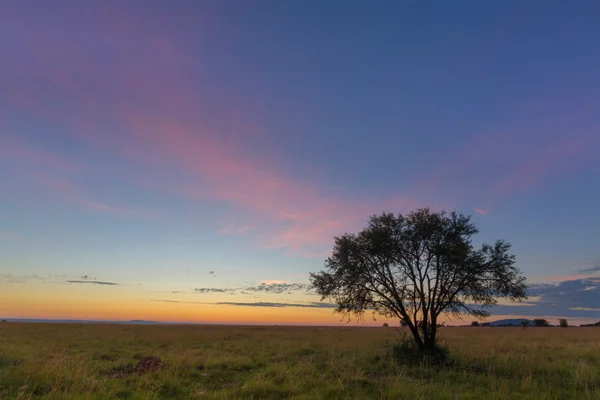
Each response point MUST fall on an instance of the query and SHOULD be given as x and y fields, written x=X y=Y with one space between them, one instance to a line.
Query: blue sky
x=150 y=143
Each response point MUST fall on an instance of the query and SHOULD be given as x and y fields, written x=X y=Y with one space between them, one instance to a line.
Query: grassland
x=201 y=362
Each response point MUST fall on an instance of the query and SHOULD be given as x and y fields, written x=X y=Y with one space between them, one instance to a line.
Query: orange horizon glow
x=51 y=302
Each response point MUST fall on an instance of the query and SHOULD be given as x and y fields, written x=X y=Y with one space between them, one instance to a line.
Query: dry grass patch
x=53 y=361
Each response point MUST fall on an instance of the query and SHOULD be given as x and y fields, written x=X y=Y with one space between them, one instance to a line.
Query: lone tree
x=563 y=323
x=415 y=267
x=540 y=322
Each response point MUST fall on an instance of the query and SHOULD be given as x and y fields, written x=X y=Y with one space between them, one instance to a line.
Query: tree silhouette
x=563 y=323
x=415 y=267
x=540 y=322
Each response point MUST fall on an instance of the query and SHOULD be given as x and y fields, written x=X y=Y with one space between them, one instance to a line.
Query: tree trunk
x=429 y=341
x=415 y=332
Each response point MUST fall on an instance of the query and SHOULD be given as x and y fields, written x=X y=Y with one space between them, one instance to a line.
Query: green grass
x=54 y=361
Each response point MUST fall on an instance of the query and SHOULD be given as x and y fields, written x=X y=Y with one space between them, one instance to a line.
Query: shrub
x=385 y=325
x=474 y=323
x=406 y=352
x=540 y=322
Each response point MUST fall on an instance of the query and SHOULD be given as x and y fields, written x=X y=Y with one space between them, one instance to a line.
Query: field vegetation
x=93 y=361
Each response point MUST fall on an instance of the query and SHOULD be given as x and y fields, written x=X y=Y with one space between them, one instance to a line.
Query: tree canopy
x=415 y=267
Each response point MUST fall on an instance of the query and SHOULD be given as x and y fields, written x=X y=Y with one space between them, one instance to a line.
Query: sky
x=193 y=160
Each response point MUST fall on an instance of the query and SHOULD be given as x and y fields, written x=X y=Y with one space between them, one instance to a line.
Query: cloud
x=144 y=108
x=278 y=305
x=178 y=301
x=212 y=290
x=46 y=278
x=593 y=269
x=154 y=105
x=94 y=282
x=274 y=287
x=277 y=288
x=480 y=211
x=255 y=304
x=211 y=272
x=577 y=298
x=10 y=278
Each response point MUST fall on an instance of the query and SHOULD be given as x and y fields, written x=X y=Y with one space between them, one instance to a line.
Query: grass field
x=220 y=362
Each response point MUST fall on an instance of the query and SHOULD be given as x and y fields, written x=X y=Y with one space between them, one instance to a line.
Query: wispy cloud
x=10 y=278
x=278 y=287
x=159 y=119
x=178 y=301
x=212 y=290
x=480 y=211
x=593 y=268
x=93 y=282
x=278 y=305
x=272 y=287
x=144 y=107
x=254 y=304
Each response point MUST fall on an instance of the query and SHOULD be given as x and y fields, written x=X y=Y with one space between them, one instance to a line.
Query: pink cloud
x=144 y=107
x=157 y=119
x=287 y=214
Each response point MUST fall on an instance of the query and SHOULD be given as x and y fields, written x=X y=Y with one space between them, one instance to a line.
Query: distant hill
x=510 y=322
x=76 y=321
x=138 y=322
